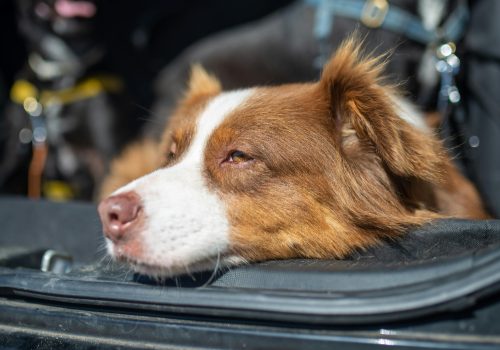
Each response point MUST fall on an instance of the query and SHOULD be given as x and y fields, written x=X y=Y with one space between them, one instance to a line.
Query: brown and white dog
x=312 y=170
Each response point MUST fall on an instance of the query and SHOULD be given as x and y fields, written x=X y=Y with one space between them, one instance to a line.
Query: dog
x=308 y=170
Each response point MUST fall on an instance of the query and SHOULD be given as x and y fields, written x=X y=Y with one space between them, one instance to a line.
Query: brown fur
x=333 y=167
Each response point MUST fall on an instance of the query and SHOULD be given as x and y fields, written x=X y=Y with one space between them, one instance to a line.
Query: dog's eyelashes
x=238 y=157
x=172 y=152
x=170 y=156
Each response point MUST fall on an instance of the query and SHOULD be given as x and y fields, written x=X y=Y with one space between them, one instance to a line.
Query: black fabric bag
x=475 y=126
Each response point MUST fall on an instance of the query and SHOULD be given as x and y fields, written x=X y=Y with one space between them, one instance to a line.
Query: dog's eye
x=172 y=151
x=237 y=157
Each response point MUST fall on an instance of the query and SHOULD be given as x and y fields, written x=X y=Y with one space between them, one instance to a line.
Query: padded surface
x=71 y=227
x=75 y=228
x=430 y=252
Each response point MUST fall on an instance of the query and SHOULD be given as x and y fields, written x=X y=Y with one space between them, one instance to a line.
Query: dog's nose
x=119 y=214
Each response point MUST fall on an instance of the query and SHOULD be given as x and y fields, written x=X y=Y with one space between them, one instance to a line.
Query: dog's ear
x=362 y=105
x=201 y=83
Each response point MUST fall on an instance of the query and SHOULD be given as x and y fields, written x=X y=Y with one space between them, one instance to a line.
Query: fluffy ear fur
x=201 y=83
x=363 y=105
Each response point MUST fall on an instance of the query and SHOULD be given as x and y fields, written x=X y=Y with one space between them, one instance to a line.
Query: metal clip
x=374 y=12
x=56 y=262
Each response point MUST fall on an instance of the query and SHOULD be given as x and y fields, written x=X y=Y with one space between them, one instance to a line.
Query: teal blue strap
x=395 y=20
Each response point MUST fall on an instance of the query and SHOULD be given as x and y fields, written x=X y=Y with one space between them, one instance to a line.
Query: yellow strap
x=88 y=88
x=21 y=90
x=57 y=190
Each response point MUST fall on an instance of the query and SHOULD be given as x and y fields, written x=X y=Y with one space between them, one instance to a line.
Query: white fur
x=186 y=225
x=215 y=113
x=409 y=113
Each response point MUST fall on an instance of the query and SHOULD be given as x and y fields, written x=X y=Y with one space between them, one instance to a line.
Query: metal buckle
x=374 y=12
x=56 y=262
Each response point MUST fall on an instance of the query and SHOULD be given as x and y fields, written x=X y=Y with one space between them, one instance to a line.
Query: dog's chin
x=159 y=271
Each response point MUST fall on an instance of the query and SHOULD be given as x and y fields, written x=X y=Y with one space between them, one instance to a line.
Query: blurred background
x=80 y=79
x=91 y=65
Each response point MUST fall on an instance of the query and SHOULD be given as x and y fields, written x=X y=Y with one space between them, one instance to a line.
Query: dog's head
x=302 y=170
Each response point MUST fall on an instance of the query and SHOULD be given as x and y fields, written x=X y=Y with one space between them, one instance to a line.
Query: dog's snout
x=119 y=214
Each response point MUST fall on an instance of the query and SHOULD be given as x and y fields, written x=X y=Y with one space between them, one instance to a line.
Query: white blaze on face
x=185 y=224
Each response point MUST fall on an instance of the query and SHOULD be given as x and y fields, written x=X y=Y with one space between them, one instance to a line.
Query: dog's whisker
x=144 y=108
x=102 y=259
x=151 y=121
x=188 y=272
x=214 y=273
x=152 y=118
x=125 y=274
